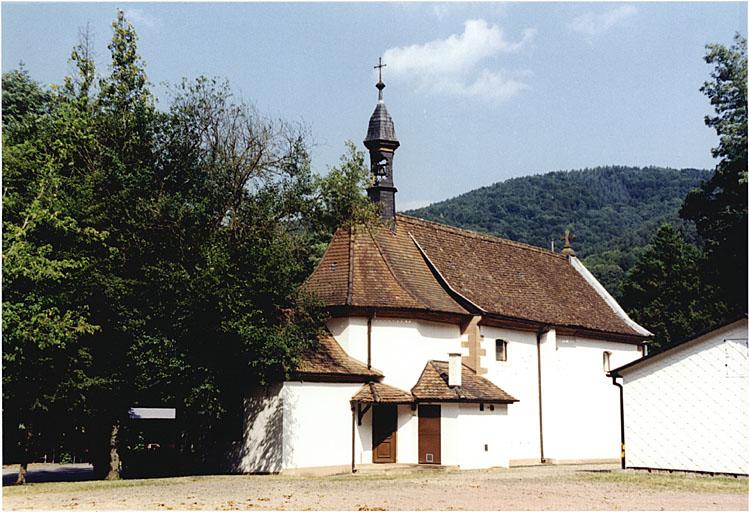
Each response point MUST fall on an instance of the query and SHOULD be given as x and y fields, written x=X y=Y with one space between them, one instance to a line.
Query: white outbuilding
x=687 y=408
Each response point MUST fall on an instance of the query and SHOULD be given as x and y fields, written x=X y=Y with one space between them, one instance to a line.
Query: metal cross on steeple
x=379 y=67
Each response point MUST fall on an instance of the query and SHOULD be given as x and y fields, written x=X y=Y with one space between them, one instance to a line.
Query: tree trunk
x=24 y=466
x=115 y=466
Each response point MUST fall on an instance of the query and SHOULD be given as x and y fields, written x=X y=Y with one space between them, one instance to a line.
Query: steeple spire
x=381 y=143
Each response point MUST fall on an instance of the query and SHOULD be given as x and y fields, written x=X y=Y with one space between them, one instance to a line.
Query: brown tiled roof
x=429 y=266
x=432 y=386
x=330 y=360
x=513 y=279
x=378 y=392
x=378 y=268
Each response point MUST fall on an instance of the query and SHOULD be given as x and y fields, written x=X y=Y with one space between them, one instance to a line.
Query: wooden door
x=384 y=428
x=429 y=434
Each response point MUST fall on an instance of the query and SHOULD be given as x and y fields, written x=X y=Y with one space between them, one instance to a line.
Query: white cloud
x=592 y=24
x=139 y=18
x=452 y=65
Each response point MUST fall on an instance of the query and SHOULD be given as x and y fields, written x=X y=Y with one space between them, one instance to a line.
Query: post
x=540 y=333
x=369 y=341
x=621 y=417
x=353 y=438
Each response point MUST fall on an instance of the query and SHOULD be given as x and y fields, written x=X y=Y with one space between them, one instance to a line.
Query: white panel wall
x=580 y=403
x=689 y=408
x=317 y=424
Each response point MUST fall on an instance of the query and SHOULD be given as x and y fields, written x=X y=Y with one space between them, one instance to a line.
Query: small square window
x=501 y=350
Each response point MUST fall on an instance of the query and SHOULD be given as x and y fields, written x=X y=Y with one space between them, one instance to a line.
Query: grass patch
x=675 y=481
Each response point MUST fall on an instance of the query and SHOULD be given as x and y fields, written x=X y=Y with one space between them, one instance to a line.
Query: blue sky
x=479 y=92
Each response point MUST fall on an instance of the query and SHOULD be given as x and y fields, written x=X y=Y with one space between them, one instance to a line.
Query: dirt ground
x=584 y=487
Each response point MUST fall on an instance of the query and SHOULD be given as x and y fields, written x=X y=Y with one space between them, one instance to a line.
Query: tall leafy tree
x=45 y=260
x=719 y=206
x=154 y=258
x=663 y=290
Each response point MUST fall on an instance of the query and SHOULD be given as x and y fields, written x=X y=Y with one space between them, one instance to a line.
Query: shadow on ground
x=38 y=473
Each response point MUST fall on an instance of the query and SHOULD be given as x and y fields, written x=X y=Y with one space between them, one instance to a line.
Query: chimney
x=454 y=372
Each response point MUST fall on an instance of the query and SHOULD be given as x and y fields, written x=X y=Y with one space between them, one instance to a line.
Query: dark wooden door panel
x=430 y=434
x=384 y=429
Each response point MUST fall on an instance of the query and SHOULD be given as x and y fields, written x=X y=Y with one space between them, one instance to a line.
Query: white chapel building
x=445 y=347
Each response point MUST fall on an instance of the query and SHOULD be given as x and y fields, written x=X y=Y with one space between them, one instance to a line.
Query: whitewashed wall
x=408 y=436
x=400 y=347
x=262 y=444
x=317 y=424
x=580 y=403
x=688 y=409
x=581 y=417
x=518 y=377
x=483 y=441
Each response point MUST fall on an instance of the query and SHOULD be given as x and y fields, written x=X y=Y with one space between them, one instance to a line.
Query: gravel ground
x=584 y=487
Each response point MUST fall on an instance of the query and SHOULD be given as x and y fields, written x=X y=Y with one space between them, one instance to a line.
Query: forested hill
x=612 y=211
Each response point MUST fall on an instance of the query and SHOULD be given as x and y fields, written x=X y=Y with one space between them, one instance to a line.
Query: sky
x=478 y=92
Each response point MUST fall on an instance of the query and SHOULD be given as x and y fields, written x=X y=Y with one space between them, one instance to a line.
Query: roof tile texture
x=432 y=385
x=512 y=279
x=376 y=267
x=378 y=392
x=330 y=359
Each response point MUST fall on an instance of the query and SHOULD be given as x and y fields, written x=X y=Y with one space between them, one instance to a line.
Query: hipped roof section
x=433 y=386
x=377 y=268
x=427 y=266
x=330 y=361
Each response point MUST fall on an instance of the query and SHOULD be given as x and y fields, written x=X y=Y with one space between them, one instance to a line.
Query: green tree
x=341 y=200
x=44 y=261
x=175 y=243
x=719 y=206
x=663 y=290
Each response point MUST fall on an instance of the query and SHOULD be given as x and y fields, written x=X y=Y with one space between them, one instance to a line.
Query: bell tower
x=381 y=143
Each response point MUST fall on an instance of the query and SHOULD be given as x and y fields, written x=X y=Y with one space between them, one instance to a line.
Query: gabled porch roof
x=377 y=392
x=433 y=386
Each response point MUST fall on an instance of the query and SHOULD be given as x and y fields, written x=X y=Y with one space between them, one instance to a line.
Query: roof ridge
x=350 y=287
x=481 y=236
x=442 y=280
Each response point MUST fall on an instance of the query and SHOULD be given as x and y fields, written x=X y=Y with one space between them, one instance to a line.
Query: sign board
x=152 y=413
